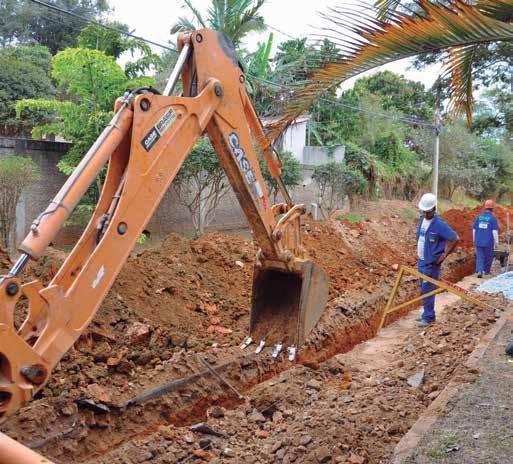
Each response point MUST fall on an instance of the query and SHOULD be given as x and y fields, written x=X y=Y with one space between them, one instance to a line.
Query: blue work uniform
x=435 y=238
x=484 y=241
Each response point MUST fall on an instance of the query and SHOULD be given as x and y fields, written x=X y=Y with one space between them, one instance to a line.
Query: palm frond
x=498 y=9
x=459 y=68
x=385 y=8
x=183 y=24
x=195 y=12
x=367 y=42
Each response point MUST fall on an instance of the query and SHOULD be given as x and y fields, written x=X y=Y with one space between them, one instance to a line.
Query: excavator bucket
x=286 y=306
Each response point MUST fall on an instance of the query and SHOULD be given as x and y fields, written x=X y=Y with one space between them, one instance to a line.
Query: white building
x=295 y=138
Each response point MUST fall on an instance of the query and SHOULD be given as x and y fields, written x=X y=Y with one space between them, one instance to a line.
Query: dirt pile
x=462 y=220
x=192 y=296
x=197 y=291
x=338 y=412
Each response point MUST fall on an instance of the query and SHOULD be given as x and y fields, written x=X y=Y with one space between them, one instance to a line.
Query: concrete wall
x=169 y=217
x=36 y=198
x=294 y=139
x=172 y=217
x=314 y=156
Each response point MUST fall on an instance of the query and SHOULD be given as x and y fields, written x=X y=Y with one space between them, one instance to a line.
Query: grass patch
x=409 y=214
x=352 y=217
x=501 y=441
x=446 y=441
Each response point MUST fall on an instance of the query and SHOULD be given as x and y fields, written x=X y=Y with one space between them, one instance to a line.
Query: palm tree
x=235 y=18
x=461 y=61
x=368 y=40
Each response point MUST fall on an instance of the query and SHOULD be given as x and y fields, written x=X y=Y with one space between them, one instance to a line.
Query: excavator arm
x=145 y=145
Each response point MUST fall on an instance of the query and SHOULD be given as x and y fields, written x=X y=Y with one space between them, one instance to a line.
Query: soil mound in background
x=5 y=262
x=462 y=220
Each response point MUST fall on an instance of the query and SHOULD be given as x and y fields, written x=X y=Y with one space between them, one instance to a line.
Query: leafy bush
x=360 y=159
x=335 y=181
x=291 y=173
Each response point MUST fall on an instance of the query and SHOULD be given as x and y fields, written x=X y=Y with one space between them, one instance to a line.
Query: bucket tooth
x=246 y=343
x=291 y=353
x=277 y=350
x=260 y=347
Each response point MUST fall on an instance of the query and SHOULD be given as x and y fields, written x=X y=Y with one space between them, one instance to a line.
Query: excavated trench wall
x=338 y=335
x=348 y=321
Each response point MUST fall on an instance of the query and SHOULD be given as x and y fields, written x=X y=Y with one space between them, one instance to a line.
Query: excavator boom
x=146 y=143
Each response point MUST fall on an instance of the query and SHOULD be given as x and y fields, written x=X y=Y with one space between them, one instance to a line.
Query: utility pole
x=438 y=130
x=436 y=155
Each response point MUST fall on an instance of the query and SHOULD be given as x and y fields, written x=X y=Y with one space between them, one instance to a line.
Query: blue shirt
x=484 y=226
x=437 y=234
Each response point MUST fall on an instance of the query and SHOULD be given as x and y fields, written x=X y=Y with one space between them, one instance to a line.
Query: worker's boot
x=424 y=323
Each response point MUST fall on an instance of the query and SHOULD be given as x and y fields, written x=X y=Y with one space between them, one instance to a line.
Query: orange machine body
x=145 y=145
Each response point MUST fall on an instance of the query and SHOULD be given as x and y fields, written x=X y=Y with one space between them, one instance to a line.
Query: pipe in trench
x=12 y=452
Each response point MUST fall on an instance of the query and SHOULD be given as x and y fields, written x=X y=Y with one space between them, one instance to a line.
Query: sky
x=152 y=19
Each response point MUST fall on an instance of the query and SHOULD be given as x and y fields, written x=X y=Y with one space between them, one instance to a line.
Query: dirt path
x=378 y=352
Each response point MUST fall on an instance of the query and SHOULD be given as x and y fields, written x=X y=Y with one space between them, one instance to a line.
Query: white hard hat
x=427 y=202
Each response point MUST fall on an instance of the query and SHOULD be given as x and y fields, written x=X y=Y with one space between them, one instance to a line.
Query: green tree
x=114 y=43
x=235 y=18
x=16 y=174
x=493 y=115
x=24 y=73
x=23 y=22
x=479 y=166
x=291 y=173
x=289 y=68
x=92 y=81
x=398 y=93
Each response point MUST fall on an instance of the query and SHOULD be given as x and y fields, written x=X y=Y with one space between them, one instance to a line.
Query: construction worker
x=435 y=241
x=486 y=236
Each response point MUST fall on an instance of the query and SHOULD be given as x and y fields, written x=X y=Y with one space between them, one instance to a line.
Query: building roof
x=299 y=120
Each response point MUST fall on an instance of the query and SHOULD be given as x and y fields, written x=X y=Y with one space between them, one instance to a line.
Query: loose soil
x=5 y=262
x=191 y=297
x=341 y=411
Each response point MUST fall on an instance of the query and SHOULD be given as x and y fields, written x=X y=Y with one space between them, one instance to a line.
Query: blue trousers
x=484 y=258
x=433 y=271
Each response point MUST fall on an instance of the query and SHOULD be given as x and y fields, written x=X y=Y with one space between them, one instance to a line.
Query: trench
x=189 y=405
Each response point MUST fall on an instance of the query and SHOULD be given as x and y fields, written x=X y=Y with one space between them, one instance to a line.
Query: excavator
x=144 y=146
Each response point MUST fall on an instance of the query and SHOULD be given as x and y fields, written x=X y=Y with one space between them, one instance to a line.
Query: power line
x=290 y=89
x=110 y=28
x=338 y=103
x=281 y=32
